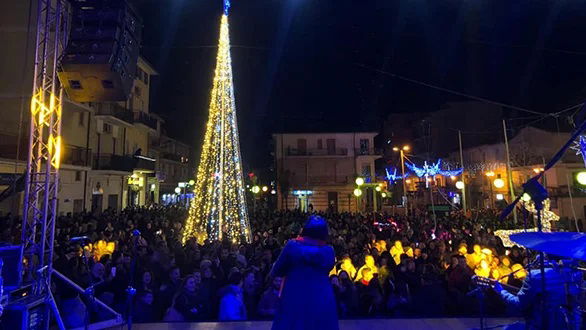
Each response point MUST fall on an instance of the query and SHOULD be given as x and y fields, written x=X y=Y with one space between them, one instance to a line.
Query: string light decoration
x=393 y=177
x=547 y=216
x=432 y=170
x=218 y=208
x=580 y=148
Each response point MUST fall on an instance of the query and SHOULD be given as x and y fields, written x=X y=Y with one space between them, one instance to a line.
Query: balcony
x=108 y=162
x=78 y=156
x=114 y=113
x=145 y=119
x=327 y=179
x=367 y=152
x=173 y=157
x=317 y=152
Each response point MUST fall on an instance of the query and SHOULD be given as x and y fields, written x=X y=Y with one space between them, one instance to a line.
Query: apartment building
x=318 y=170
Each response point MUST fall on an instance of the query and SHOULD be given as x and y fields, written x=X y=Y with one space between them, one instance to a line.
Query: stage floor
x=372 y=324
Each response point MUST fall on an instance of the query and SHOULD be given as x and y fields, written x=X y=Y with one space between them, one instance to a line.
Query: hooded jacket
x=307 y=297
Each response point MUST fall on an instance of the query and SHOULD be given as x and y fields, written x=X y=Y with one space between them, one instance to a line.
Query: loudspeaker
x=30 y=313
x=11 y=256
x=99 y=62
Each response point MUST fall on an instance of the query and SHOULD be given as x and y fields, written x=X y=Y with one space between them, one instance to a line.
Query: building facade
x=319 y=170
x=529 y=150
x=110 y=150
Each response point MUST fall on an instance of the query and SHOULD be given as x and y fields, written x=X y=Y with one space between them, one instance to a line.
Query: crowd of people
x=386 y=265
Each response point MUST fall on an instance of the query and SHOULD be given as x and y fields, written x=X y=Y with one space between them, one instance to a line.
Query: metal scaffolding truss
x=44 y=154
x=42 y=176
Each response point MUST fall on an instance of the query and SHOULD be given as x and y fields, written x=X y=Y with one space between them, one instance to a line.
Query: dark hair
x=316 y=227
x=235 y=278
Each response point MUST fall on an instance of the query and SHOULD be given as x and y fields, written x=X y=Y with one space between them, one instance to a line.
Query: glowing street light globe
x=359 y=181
x=191 y=182
x=581 y=178
x=500 y=197
x=460 y=185
x=265 y=188
x=177 y=190
x=255 y=189
x=357 y=192
x=384 y=195
x=377 y=188
x=499 y=183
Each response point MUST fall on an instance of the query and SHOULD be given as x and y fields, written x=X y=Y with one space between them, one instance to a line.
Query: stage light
x=581 y=178
x=500 y=197
x=499 y=183
x=359 y=181
x=460 y=185
x=357 y=192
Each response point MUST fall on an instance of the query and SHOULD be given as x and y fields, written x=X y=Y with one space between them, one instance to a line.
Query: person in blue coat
x=307 y=298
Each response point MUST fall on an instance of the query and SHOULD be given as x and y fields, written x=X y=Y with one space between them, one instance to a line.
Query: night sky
x=309 y=65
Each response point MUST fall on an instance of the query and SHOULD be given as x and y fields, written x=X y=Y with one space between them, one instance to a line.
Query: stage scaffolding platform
x=370 y=324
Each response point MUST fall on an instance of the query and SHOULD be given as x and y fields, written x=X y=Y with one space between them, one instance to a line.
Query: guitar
x=486 y=282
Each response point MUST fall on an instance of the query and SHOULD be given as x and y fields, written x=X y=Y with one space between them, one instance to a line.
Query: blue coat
x=307 y=298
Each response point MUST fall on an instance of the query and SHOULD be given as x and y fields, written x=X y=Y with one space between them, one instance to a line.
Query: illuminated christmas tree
x=219 y=206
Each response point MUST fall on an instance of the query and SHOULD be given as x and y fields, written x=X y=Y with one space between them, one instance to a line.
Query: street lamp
x=191 y=182
x=255 y=189
x=402 y=153
x=460 y=185
x=359 y=181
x=499 y=183
x=581 y=178
x=265 y=188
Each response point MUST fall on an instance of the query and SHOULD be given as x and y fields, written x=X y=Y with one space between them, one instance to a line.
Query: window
x=107 y=128
x=77 y=176
x=302 y=146
x=107 y=84
x=365 y=170
x=81 y=119
x=320 y=144
x=114 y=145
x=364 y=146
x=331 y=144
x=75 y=84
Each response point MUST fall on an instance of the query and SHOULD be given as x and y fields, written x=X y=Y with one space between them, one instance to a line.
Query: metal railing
x=115 y=110
x=74 y=155
x=121 y=163
x=367 y=152
x=317 y=152
x=145 y=119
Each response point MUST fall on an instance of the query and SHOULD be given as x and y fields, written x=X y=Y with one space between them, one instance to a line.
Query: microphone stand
x=130 y=290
